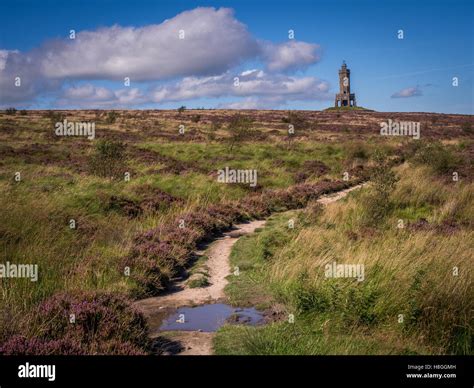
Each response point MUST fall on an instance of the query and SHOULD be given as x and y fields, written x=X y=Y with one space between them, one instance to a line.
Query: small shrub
x=357 y=150
x=215 y=126
x=123 y=206
x=307 y=298
x=440 y=158
x=147 y=275
x=360 y=306
x=210 y=136
x=10 y=111
x=21 y=345
x=55 y=117
x=240 y=128
x=311 y=168
x=108 y=159
x=155 y=200
x=111 y=117
x=103 y=324
x=467 y=127
x=378 y=205
x=296 y=119
x=312 y=213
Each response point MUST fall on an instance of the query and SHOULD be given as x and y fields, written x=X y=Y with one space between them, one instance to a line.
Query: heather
x=143 y=196
x=81 y=323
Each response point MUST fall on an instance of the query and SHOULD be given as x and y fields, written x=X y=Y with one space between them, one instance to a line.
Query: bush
x=146 y=273
x=21 y=345
x=357 y=150
x=124 y=206
x=108 y=159
x=55 y=117
x=467 y=127
x=360 y=307
x=378 y=205
x=10 y=111
x=111 y=117
x=311 y=168
x=440 y=158
x=307 y=298
x=215 y=126
x=103 y=324
x=240 y=128
x=155 y=200
x=355 y=303
x=295 y=119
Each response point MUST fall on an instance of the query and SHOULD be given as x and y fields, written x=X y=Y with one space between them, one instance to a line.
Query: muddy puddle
x=209 y=318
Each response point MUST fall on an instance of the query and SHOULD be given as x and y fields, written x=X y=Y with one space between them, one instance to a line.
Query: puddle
x=209 y=317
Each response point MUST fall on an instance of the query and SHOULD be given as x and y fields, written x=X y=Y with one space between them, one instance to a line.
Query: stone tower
x=345 y=97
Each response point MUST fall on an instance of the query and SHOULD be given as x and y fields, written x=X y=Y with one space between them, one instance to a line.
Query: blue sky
x=287 y=74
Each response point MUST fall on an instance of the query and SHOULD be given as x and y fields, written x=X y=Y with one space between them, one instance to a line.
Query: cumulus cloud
x=213 y=43
x=20 y=78
x=248 y=83
x=290 y=56
x=89 y=92
x=4 y=56
x=256 y=88
x=408 y=92
x=88 y=96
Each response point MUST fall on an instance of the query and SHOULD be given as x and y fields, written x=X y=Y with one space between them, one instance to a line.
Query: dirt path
x=156 y=308
x=218 y=253
x=219 y=268
x=327 y=199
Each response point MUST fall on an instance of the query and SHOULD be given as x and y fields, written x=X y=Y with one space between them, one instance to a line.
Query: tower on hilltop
x=345 y=97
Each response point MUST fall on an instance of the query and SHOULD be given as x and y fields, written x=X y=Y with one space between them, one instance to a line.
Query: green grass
x=57 y=185
x=408 y=273
x=199 y=282
x=310 y=335
x=249 y=255
x=199 y=273
x=259 y=156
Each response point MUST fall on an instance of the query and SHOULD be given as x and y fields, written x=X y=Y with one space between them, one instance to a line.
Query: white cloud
x=214 y=41
x=214 y=44
x=408 y=92
x=88 y=96
x=250 y=84
x=290 y=56
x=88 y=92
x=4 y=56
x=20 y=78
x=255 y=89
